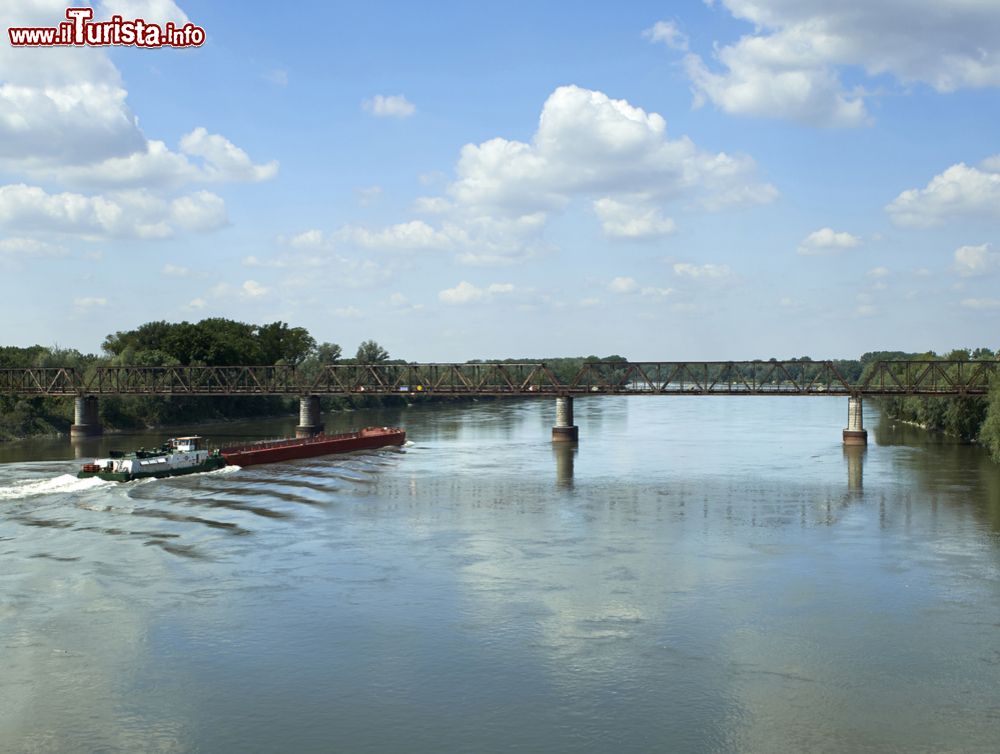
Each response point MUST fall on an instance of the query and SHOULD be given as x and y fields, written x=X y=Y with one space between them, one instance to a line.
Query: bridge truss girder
x=816 y=378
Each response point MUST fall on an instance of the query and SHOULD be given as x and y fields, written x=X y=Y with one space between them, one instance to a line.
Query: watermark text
x=80 y=30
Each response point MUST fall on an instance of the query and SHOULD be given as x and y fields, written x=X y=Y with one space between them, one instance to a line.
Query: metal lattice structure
x=816 y=378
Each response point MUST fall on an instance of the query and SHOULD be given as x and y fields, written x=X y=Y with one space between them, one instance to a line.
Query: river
x=698 y=575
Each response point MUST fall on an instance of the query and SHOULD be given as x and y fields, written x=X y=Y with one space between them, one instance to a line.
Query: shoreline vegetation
x=220 y=342
x=210 y=342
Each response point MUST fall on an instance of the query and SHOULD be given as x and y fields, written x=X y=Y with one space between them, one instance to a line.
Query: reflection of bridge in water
x=660 y=378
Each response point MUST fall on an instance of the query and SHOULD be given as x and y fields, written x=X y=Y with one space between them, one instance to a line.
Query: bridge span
x=653 y=378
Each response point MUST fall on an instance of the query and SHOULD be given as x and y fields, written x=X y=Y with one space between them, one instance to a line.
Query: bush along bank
x=972 y=419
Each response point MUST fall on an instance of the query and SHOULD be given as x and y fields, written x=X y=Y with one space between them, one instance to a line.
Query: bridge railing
x=886 y=378
x=40 y=381
x=443 y=378
x=958 y=378
x=198 y=380
x=711 y=377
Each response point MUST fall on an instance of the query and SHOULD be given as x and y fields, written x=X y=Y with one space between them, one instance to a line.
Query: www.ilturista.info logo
x=81 y=30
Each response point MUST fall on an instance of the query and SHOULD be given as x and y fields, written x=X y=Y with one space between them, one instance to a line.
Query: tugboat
x=181 y=455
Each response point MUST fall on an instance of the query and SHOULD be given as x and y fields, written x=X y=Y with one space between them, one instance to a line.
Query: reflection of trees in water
x=951 y=471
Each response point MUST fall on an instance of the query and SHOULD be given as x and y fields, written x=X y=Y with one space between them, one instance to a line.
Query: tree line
x=210 y=342
x=972 y=419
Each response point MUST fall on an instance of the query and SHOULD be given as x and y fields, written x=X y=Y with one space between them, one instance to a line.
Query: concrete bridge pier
x=855 y=432
x=86 y=420
x=310 y=419
x=565 y=430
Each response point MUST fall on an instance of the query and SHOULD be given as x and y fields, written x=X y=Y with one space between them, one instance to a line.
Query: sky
x=727 y=179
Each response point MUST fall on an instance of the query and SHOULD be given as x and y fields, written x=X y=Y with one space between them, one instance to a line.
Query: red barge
x=270 y=451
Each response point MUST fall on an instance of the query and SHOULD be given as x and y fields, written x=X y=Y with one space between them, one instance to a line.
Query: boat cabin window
x=187 y=444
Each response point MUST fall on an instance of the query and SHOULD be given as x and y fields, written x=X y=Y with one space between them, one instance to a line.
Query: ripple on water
x=696 y=586
x=237 y=505
x=165 y=515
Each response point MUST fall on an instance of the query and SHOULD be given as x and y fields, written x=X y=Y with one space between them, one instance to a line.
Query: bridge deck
x=816 y=378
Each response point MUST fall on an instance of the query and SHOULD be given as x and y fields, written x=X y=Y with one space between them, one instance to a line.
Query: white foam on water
x=61 y=483
x=231 y=469
x=409 y=444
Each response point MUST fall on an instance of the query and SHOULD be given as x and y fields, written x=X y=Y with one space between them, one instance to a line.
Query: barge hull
x=319 y=445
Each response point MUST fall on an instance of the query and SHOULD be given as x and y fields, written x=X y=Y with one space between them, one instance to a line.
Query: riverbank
x=330 y=405
x=972 y=420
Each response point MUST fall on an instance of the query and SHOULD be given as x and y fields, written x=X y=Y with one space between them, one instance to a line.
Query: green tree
x=280 y=343
x=328 y=353
x=214 y=342
x=370 y=352
x=989 y=434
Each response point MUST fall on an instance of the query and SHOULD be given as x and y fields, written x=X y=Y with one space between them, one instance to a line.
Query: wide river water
x=698 y=575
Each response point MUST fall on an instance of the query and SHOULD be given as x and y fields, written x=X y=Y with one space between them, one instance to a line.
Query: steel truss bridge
x=813 y=378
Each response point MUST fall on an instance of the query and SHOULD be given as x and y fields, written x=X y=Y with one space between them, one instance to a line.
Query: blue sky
x=729 y=179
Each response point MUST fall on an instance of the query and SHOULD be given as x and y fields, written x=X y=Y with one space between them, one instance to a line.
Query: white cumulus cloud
x=29 y=247
x=134 y=213
x=973 y=261
x=309 y=239
x=64 y=106
x=223 y=159
x=609 y=153
x=432 y=205
x=64 y=114
x=791 y=64
x=827 y=241
x=413 y=235
x=668 y=33
x=632 y=221
x=249 y=289
x=587 y=146
x=252 y=289
x=960 y=191
x=156 y=166
x=200 y=211
x=654 y=292
x=467 y=293
x=623 y=285
x=704 y=271
x=588 y=143
x=392 y=106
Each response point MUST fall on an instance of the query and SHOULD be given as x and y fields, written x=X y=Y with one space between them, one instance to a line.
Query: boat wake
x=231 y=469
x=62 y=483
